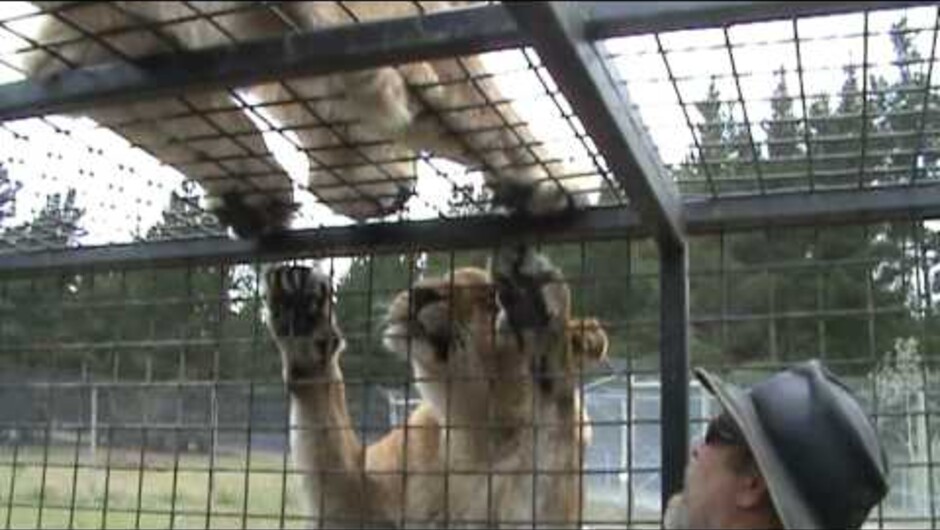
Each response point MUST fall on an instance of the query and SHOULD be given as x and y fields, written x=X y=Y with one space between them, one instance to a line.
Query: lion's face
x=444 y=327
x=441 y=324
x=453 y=331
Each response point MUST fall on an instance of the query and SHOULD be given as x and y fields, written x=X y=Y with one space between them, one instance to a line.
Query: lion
x=361 y=131
x=498 y=438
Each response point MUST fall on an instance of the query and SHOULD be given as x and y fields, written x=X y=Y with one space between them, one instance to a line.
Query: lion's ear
x=588 y=339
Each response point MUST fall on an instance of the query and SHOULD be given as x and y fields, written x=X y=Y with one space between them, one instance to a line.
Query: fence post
x=674 y=365
x=94 y=420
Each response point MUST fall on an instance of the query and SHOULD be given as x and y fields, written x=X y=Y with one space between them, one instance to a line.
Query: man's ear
x=751 y=492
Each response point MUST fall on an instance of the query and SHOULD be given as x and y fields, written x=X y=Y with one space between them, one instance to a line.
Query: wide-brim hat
x=814 y=445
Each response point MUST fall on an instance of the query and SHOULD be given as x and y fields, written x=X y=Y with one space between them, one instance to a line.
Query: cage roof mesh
x=805 y=104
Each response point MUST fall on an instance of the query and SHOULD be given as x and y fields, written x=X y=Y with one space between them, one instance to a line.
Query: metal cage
x=751 y=198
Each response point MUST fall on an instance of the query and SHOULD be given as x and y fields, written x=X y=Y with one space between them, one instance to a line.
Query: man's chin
x=676 y=516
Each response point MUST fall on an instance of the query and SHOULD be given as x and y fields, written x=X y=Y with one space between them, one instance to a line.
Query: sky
x=124 y=190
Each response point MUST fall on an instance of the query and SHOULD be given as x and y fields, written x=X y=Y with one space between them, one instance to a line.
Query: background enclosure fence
x=760 y=179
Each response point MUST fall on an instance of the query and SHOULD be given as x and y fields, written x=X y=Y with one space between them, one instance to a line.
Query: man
x=794 y=451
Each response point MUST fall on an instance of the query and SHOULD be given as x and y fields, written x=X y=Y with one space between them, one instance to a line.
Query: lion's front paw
x=535 y=197
x=534 y=302
x=380 y=97
x=250 y=217
x=525 y=283
x=300 y=317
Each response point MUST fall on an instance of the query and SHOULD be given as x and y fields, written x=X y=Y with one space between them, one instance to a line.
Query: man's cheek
x=691 y=476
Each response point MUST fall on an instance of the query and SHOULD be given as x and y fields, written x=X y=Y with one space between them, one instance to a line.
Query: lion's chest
x=533 y=476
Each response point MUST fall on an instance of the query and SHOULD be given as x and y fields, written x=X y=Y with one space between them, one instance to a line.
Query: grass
x=127 y=489
x=58 y=490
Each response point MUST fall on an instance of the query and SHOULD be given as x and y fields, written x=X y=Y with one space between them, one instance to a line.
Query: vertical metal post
x=674 y=364
x=94 y=420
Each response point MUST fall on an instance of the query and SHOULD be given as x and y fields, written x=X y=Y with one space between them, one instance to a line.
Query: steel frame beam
x=702 y=217
x=673 y=366
x=436 y=35
x=333 y=50
x=558 y=34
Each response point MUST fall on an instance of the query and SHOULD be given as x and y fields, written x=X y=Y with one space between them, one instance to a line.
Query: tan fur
x=386 y=109
x=486 y=427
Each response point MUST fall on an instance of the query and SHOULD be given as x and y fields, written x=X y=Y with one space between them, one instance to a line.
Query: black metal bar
x=433 y=234
x=862 y=157
x=615 y=19
x=673 y=366
x=804 y=107
x=736 y=77
x=688 y=119
x=344 y=48
x=702 y=217
x=925 y=103
x=804 y=209
x=557 y=32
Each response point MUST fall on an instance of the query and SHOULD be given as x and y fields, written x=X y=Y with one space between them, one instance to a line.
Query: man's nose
x=696 y=447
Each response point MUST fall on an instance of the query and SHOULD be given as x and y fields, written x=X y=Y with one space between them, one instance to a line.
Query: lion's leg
x=472 y=124
x=531 y=292
x=324 y=445
x=246 y=188
x=204 y=136
x=356 y=169
x=453 y=120
x=534 y=306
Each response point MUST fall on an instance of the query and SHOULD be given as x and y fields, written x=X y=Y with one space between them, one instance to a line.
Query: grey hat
x=816 y=448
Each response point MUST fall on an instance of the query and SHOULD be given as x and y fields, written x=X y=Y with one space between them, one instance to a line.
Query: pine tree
x=194 y=306
x=785 y=166
x=725 y=148
x=40 y=314
x=183 y=216
x=774 y=287
x=904 y=154
x=8 y=190
x=56 y=225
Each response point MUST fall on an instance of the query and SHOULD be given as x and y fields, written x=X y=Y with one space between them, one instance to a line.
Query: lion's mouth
x=415 y=322
x=406 y=335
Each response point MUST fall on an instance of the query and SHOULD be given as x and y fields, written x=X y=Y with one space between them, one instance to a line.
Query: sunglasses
x=722 y=430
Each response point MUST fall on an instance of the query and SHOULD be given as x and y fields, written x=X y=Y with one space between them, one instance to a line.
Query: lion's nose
x=421 y=297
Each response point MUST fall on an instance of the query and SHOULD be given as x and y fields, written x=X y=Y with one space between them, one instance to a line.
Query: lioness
x=498 y=438
x=361 y=130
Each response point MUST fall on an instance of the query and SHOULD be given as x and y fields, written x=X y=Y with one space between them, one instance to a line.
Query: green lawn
x=118 y=494
x=118 y=491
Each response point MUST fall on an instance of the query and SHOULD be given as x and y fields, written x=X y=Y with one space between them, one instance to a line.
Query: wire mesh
x=797 y=105
x=189 y=404
x=847 y=101
x=154 y=398
x=813 y=118
x=301 y=141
